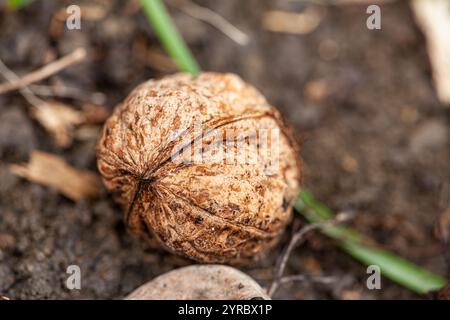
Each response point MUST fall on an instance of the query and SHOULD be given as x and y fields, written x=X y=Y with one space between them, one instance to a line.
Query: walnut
x=201 y=282
x=197 y=165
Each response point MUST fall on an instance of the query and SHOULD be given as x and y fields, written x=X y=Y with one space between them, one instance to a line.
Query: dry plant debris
x=297 y=239
x=44 y=72
x=52 y=171
x=205 y=203
x=59 y=119
x=200 y=282
x=63 y=91
x=433 y=18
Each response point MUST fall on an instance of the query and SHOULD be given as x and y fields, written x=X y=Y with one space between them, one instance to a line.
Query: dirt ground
x=376 y=142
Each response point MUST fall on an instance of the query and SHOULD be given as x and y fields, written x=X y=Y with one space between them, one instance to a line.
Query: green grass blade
x=393 y=267
x=169 y=36
x=17 y=4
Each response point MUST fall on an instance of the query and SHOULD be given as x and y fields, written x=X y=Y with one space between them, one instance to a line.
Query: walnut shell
x=201 y=282
x=221 y=208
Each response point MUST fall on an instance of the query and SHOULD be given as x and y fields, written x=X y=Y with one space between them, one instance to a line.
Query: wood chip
x=53 y=171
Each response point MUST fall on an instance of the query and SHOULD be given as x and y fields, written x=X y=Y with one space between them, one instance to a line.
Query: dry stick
x=26 y=92
x=44 y=72
x=207 y=15
x=302 y=277
x=67 y=92
x=296 y=240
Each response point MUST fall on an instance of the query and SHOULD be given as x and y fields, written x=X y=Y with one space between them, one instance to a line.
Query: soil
x=376 y=142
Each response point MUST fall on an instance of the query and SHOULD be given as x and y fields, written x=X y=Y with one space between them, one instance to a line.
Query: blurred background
x=363 y=102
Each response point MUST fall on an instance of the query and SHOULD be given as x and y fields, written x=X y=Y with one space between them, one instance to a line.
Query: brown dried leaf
x=52 y=171
x=58 y=119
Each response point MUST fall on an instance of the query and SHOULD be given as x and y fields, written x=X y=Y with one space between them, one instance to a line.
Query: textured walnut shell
x=201 y=282
x=207 y=211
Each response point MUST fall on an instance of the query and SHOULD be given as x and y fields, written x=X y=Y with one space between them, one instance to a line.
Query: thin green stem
x=169 y=36
x=393 y=267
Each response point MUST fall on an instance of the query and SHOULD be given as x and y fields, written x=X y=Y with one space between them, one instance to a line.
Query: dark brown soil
x=376 y=142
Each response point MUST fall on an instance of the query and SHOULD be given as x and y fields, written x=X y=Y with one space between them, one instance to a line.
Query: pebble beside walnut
x=209 y=211
x=201 y=282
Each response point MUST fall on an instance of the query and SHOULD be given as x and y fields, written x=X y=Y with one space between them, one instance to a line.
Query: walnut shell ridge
x=225 y=208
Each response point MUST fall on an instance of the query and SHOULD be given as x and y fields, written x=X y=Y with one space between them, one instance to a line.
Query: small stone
x=200 y=282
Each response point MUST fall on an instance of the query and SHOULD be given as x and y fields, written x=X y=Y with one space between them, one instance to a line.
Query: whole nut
x=167 y=156
x=201 y=282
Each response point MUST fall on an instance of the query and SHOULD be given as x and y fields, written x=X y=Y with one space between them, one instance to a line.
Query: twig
x=25 y=91
x=44 y=72
x=207 y=15
x=295 y=241
x=302 y=277
x=56 y=118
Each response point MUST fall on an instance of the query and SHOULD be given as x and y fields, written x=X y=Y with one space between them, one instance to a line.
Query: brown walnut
x=221 y=208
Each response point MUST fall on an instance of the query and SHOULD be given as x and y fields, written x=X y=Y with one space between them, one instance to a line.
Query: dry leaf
x=433 y=17
x=52 y=171
x=58 y=119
